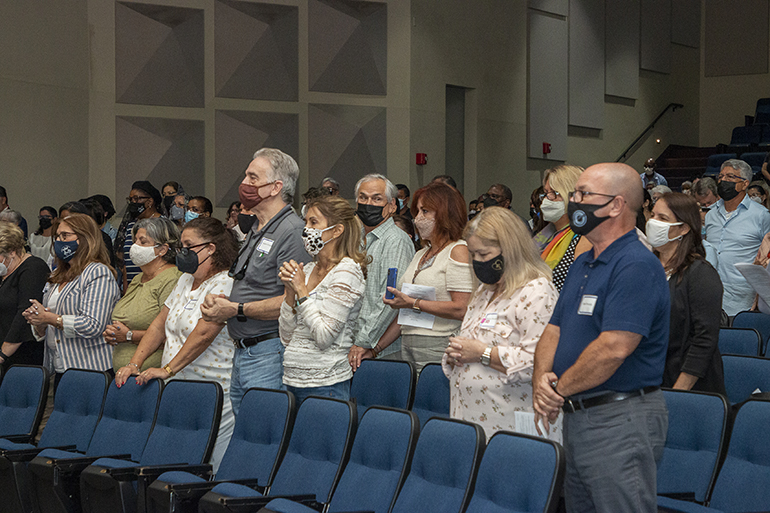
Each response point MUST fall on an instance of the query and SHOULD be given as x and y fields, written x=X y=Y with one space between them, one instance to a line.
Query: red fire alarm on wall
x=546 y=148
x=422 y=159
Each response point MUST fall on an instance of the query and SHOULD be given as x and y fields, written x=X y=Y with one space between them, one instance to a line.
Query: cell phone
x=392 y=282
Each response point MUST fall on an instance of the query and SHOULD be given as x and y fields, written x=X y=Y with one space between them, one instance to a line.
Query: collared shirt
x=389 y=246
x=736 y=237
x=279 y=241
x=606 y=294
x=655 y=179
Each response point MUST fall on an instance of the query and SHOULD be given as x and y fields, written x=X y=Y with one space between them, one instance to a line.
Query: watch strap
x=241 y=317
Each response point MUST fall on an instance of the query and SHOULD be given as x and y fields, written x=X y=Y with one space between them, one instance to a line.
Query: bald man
x=600 y=359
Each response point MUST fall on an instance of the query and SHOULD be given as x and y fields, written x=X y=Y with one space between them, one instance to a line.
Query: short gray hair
x=739 y=165
x=662 y=189
x=332 y=181
x=704 y=185
x=11 y=216
x=284 y=168
x=162 y=231
x=391 y=191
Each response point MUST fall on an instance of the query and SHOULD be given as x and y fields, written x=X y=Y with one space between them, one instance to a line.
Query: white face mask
x=757 y=199
x=313 y=240
x=4 y=267
x=142 y=255
x=657 y=233
x=552 y=210
x=649 y=170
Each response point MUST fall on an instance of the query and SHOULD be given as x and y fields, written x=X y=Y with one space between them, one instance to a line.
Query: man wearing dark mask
x=389 y=246
x=735 y=226
x=601 y=357
x=273 y=236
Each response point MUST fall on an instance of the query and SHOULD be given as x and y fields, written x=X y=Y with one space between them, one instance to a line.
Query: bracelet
x=5 y=356
x=416 y=305
x=167 y=368
x=375 y=353
x=132 y=363
x=60 y=323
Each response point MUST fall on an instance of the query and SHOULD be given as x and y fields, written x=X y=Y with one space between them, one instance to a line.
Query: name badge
x=587 y=305
x=265 y=245
x=191 y=303
x=489 y=321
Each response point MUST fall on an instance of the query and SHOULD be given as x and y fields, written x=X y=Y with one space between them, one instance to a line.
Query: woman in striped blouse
x=78 y=300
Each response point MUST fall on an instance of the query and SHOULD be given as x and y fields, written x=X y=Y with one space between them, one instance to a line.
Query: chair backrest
x=318 y=450
x=742 y=484
x=23 y=393
x=718 y=159
x=127 y=420
x=744 y=341
x=696 y=434
x=746 y=135
x=744 y=375
x=187 y=423
x=77 y=408
x=443 y=468
x=757 y=320
x=503 y=484
x=754 y=159
x=260 y=436
x=383 y=383
x=763 y=106
x=382 y=454
x=431 y=396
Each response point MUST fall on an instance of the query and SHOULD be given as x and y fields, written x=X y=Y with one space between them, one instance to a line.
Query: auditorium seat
x=431 y=396
x=383 y=383
x=23 y=393
x=746 y=135
x=743 y=341
x=757 y=320
x=744 y=375
x=715 y=161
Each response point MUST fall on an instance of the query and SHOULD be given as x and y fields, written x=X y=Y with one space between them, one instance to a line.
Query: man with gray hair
x=389 y=246
x=273 y=236
x=332 y=185
x=735 y=227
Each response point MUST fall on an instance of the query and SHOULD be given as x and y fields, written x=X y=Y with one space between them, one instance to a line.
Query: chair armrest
x=77 y=465
x=19 y=439
x=29 y=454
x=191 y=490
x=154 y=471
x=308 y=499
x=680 y=496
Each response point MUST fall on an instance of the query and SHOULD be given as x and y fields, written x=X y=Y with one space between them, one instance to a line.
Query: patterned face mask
x=313 y=240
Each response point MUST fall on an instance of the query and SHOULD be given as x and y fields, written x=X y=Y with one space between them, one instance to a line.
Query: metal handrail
x=672 y=106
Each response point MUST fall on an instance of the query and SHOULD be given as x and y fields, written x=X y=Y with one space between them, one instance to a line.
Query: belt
x=243 y=343
x=573 y=405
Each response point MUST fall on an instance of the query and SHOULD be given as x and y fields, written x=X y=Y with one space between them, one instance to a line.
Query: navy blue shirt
x=623 y=289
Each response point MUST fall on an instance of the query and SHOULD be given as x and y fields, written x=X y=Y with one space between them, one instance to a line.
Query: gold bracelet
x=167 y=368
x=60 y=322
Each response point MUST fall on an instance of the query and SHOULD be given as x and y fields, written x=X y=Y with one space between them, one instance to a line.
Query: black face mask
x=135 y=209
x=245 y=222
x=45 y=223
x=727 y=190
x=370 y=215
x=491 y=271
x=582 y=216
x=167 y=202
x=187 y=260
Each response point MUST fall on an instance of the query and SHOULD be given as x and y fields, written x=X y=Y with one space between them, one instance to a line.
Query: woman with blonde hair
x=78 y=300
x=565 y=245
x=489 y=364
x=322 y=301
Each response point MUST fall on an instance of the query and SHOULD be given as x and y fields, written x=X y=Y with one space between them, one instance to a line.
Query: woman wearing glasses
x=565 y=245
x=154 y=251
x=193 y=348
x=78 y=300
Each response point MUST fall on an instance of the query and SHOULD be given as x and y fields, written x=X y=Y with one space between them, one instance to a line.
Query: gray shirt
x=279 y=241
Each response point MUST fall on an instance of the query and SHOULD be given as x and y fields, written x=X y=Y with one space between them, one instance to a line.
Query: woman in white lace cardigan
x=322 y=302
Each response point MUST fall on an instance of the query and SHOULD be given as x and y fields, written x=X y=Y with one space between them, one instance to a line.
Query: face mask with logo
x=190 y=215
x=142 y=255
x=491 y=271
x=727 y=190
x=245 y=222
x=657 y=232
x=187 y=260
x=313 y=240
x=370 y=215
x=583 y=218
x=65 y=250
x=249 y=194
x=424 y=226
x=552 y=210
x=136 y=209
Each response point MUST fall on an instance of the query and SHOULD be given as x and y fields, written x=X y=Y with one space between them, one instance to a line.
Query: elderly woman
x=40 y=241
x=193 y=348
x=322 y=301
x=154 y=251
x=489 y=364
x=22 y=278
x=441 y=269
x=78 y=301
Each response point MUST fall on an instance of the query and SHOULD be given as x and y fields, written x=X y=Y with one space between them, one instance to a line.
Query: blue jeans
x=339 y=390
x=260 y=365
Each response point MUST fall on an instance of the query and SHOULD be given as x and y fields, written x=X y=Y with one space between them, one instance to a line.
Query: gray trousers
x=612 y=452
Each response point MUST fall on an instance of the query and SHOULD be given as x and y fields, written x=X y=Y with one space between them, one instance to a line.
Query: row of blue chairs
x=753 y=158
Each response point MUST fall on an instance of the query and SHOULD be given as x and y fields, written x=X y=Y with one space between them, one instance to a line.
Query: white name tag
x=265 y=245
x=489 y=321
x=587 y=305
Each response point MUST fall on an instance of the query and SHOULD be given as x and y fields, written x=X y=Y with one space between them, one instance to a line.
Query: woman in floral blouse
x=489 y=365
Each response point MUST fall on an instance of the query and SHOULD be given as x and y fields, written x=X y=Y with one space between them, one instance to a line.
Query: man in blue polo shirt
x=600 y=359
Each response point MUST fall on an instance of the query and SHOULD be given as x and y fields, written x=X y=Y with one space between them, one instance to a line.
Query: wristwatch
x=302 y=300
x=416 y=305
x=241 y=317
x=130 y=336
x=486 y=356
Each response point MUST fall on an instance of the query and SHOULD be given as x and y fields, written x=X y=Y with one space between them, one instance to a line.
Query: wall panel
x=586 y=63
x=622 y=49
x=656 y=36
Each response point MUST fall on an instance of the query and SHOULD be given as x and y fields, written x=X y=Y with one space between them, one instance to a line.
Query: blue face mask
x=65 y=250
x=703 y=231
x=190 y=215
x=401 y=203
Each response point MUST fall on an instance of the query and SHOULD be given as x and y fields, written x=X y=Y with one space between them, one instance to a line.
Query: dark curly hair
x=213 y=230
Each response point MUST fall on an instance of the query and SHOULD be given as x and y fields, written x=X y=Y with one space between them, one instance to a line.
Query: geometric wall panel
x=256 y=51
x=586 y=63
x=685 y=23
x=347 y=45
x=621 y=70
x=238 y=135
x=558 y=7
x=346 y=143
x=159 y=150
x=655 y=45
x=731 y=53
x=158 y=55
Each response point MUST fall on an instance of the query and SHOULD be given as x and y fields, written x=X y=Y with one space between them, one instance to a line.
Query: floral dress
x=496 y=400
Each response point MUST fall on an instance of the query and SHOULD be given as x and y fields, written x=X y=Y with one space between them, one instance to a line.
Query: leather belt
x=572 y=405
x=244 y=343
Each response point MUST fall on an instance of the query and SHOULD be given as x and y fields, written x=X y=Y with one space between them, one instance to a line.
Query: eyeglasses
x=186 y=249
x=551 y=195
x=64 y=236
x=44 y=217
x=579 y=196
x=730 y=177
x=137 y=199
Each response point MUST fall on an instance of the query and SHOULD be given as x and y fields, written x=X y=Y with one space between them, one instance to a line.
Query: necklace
x=426 y=261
